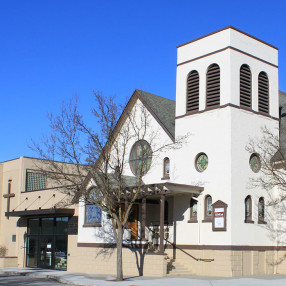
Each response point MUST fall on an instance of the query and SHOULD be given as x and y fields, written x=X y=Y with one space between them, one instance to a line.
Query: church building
x=199 y=209
x=197 y=214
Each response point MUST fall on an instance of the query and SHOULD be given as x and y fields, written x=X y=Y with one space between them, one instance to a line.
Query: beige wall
x=103 y=261
x=227 y=263
x=15 y=170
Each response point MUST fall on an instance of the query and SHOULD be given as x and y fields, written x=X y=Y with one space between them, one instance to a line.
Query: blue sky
x=51 y=50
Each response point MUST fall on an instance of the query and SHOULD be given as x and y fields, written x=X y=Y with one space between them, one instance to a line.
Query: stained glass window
x=166 y=167
x=202 y=162
x=92 y=214
x=248 y=209
x=209 y=206
x=194 y=209
x=261 y=209
x=254 y=163
x=140 y=158
x=35 y=181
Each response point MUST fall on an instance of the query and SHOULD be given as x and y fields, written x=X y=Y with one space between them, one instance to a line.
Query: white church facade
x=204 y=219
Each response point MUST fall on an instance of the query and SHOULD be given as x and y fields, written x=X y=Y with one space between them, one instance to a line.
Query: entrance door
x=46 y=259
x=133 y=222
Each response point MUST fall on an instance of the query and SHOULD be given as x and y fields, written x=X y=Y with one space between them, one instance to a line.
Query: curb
x=56 y=278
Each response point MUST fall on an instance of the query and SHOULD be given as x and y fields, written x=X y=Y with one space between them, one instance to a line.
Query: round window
x=140 y=158
x=201 y=162
x=254 y=163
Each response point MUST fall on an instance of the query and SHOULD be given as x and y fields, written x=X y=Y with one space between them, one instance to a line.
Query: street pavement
x=25 y=280
x=40 y=277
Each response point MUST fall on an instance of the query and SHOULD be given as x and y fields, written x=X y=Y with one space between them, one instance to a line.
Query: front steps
x=174 y=268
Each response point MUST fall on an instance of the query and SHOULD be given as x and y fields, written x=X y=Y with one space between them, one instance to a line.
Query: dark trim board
x=225 y=28
x=188 y=246
x=226 y=48
x=131 y=245
x=227 y=105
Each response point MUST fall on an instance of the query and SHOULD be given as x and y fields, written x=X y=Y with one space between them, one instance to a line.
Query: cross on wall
x=8 y=196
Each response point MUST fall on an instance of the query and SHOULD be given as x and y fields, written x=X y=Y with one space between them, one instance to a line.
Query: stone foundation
x=103 y=261
x=226 y=263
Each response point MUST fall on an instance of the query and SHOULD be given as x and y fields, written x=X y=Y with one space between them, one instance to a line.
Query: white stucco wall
x=157 y=138
x=222 y=134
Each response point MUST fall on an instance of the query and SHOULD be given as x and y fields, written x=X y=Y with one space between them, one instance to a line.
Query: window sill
x=98 y=224
x=207 y=220
x=262 y=222
x=192 y=221
x=248 y=221
x=166 y=177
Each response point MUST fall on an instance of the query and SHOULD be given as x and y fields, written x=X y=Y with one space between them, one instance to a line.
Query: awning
x=41 y=212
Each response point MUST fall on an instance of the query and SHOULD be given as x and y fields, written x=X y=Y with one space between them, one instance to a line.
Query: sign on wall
x=219 y=216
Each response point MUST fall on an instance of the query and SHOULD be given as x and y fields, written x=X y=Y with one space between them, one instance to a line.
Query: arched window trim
x=248 y=214
x=192 y=91
x=263 y=92
x=207 y=215
x=193 y=206
x=261 y=211
x=166 y=173
x=213 y=86
x=245 y=86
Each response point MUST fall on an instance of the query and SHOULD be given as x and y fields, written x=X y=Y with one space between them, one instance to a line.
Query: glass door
x=46 y=252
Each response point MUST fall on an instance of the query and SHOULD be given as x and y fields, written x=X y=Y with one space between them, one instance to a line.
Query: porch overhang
x=166 y=188
x=41 y=212
x=182 y=188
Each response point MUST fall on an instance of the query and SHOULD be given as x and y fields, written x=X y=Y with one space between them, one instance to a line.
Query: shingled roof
x=280 y=155
x=163 y=108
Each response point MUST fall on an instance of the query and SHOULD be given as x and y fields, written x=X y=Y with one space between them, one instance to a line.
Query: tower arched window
x=245 y=86
x=248 y=210
x=213 y=86
x=208 y=208
x=193 y=85
x=263 y=93
x=261 y=211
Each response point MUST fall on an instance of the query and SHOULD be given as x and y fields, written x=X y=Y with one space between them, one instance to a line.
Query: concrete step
x=178 y=269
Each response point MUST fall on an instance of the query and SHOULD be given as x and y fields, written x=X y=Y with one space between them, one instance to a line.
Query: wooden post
x=162 y=211
x=143 y=218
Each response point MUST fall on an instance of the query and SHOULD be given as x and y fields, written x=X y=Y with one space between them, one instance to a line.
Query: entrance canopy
x=41 y=212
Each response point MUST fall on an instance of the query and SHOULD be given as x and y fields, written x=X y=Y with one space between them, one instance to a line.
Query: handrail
x=197 y=259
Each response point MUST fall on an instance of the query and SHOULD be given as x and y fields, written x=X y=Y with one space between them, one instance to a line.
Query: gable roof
x=163 y=109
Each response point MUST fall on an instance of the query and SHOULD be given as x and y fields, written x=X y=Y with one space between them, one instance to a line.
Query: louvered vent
x=193 y=86
x=213 y=86
x=263 y=93
x=245 y=86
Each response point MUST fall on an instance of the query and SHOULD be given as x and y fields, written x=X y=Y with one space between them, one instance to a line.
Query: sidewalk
x=71 y=278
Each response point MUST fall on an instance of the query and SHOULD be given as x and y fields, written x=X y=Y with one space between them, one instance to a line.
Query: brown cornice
x=223 y=49
x=225 y=28
x=227 y=105
x=187 y=246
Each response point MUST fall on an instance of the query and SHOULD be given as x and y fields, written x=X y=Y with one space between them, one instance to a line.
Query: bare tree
x=102 y=153
x=272 y=179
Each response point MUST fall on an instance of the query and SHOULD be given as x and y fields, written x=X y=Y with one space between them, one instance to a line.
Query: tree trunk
x=119 y=242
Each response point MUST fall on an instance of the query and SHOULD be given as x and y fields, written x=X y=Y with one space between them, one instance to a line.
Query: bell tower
x=227 y=90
